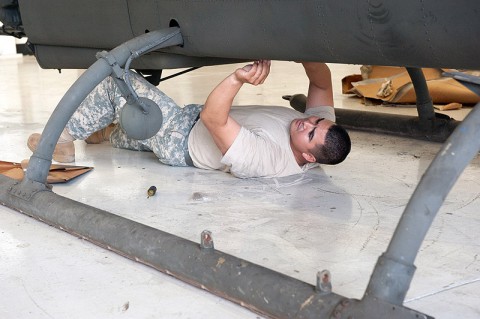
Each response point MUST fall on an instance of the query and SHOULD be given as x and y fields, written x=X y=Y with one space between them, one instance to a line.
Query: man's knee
x=119 y=139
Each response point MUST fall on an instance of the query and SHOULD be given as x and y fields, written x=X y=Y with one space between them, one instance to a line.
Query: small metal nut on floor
x=324 y=284
x=206 y=240
x=151 y=191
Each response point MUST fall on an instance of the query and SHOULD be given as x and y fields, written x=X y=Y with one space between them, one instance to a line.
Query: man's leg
x=167 y=106
x=102 y=107
x=96 y=112
x=119 y=139
x=170 y=144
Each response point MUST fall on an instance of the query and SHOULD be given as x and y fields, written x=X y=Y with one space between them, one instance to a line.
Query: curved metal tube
x=41 y=159
x=424 y=101
x=394 y=270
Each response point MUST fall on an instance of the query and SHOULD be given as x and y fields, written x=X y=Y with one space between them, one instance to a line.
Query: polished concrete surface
x=339 y=218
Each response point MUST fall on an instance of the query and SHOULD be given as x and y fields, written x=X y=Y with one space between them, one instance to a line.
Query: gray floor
x=338 y=218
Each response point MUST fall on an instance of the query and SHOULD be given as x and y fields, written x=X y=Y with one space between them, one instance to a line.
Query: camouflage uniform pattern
x=102 y=107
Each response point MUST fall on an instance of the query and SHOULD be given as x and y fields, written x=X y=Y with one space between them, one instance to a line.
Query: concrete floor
x=339 y=218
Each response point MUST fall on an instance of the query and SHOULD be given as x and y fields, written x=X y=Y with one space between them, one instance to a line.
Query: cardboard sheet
x=58 y=173
x=393 y=85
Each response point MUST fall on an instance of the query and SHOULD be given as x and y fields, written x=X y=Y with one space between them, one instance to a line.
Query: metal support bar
x=421 y=127
x=393 y=273
x=252 y=286
x=41 y=159
x=179 y=73
x=428 y=125
x=255 y=287
x=426 y=113
x=395 y=124
x=374 y=308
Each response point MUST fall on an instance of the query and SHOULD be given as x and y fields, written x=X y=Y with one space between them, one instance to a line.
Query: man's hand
x=255 y=73
x=215 y=114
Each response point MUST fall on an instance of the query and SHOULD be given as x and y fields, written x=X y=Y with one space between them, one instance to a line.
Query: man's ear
x=309 y=157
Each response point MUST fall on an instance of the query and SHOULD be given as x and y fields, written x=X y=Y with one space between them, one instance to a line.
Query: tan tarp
x=393 y=85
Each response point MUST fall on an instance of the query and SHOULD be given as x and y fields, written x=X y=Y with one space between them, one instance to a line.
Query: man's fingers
x=257 y=72
x=253 y=71
x=247 y=67
x=263 y=71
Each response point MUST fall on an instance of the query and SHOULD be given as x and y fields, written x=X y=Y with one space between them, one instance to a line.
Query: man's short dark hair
x=336 y=148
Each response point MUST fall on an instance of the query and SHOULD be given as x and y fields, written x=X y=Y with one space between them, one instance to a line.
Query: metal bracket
x=324 y=282
x=206 y=240
x=26 y=189
x=118 y=73
x=117 y=70
x=390 y=279
x=369 y=308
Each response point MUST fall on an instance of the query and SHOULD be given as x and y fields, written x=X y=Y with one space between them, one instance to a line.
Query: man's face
x=306 y=133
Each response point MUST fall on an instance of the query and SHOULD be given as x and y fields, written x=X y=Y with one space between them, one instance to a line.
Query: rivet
x=206 y=240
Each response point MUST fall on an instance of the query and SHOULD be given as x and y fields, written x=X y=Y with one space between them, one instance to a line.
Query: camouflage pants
x=102 y=107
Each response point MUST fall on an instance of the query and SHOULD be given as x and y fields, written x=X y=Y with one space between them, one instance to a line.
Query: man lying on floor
x=247 y=141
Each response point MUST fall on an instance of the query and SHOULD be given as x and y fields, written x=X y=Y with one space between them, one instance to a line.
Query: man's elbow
x=206 y=118
x=211 y=120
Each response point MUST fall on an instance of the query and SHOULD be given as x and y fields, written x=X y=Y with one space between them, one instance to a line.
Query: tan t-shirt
x=261 y=149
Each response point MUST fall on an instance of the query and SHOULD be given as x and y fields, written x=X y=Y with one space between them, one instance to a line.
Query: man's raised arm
x=216 y=112
x=320 y=91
